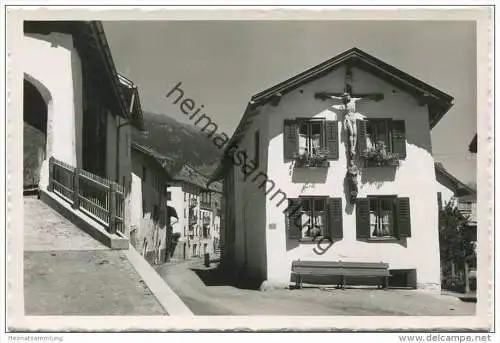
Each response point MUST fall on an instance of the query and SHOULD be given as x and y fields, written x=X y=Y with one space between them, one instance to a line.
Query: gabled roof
x=473 y=145
x=133 y=101
x=164 y=162
x=438 y=102
x=460 y=190
x=91 y=43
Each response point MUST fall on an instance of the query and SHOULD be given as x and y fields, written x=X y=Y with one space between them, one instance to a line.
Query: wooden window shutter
x=293 y=218
x=335 y=227
x=332 y=139
x=403 y=217
x=398 y=133
x=290 y=139
x=361 y=141
x=362 y=218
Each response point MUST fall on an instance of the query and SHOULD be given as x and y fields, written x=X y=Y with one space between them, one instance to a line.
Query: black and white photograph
x=250 y=168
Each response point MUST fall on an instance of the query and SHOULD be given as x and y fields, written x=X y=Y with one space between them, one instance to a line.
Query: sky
x=221 y=64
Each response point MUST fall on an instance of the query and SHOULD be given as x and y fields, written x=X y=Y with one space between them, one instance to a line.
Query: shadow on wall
x=309 y=175
x=400 y=241
x=378 y=175
x=291 y=243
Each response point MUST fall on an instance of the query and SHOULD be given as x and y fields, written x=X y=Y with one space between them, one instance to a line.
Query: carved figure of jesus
x=350 y=117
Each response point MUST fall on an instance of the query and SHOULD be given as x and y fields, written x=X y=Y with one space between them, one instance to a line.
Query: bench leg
x=298 y=282
x=386 y=282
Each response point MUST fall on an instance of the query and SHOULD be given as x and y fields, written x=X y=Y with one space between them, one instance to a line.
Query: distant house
x=451 y=189
x=150 y=231
x=304 y=182
x=198 y=208
x=78 y=113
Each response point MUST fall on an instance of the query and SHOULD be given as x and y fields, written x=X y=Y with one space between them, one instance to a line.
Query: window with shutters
x=311 y=218
x=383 y=217
x=311 y=142
x=382 y=142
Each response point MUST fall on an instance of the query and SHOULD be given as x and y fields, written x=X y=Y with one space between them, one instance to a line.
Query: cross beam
x=371 y=96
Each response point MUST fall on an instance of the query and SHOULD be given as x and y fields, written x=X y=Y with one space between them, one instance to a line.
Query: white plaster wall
x=149 y=233
x=250 y=206
x=177 y=202
x=136 y=200
x=52 y=64
x=415 y=178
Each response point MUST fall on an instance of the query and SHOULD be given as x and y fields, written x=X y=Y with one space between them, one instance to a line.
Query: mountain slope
x=182 y=142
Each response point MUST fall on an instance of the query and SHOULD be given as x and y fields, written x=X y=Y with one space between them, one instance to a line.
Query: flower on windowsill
x=379 y=156
x=318 y=158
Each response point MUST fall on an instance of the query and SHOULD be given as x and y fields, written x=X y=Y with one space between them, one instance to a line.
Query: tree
x=455 y=241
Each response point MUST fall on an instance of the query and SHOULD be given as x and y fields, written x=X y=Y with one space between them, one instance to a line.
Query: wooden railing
x=99 y=198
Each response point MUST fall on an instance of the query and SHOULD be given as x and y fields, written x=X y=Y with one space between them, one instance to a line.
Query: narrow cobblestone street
x=67 y=272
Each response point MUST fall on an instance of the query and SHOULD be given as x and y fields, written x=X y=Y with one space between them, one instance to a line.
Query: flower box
x=380 y=157
x=312 y=160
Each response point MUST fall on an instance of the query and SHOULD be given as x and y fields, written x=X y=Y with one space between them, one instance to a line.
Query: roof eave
x=461 y=188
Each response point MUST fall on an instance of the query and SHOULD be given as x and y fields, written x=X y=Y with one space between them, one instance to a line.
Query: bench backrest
x=338 y=264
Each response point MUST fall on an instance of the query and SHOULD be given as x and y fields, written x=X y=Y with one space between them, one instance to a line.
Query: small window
x=382 y=216
x=382 y=135
x=169 y=195
x=313 y=218
x=311 y=137
x=378 y=133
x=144 y=174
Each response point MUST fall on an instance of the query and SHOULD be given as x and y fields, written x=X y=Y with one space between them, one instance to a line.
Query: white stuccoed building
x=295 y=145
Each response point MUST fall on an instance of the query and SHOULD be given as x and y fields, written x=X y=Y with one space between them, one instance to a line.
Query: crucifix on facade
x=349 y=100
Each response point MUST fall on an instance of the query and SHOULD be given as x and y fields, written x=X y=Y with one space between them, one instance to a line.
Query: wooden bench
x=342 y=269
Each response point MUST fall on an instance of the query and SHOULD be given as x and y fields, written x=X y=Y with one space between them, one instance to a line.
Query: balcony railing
x=98 y=198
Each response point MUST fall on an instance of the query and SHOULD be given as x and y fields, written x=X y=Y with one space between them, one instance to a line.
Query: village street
x=221 y=298
x=67 y=272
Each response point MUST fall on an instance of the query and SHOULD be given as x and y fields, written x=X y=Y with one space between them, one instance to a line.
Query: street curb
x=163 y=293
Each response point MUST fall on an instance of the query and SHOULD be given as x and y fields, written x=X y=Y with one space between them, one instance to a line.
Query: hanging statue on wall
x=350 y=116
x=348 y=107
x=352 y=177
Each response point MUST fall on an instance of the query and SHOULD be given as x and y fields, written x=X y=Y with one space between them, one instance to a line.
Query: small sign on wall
x=272 y=226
